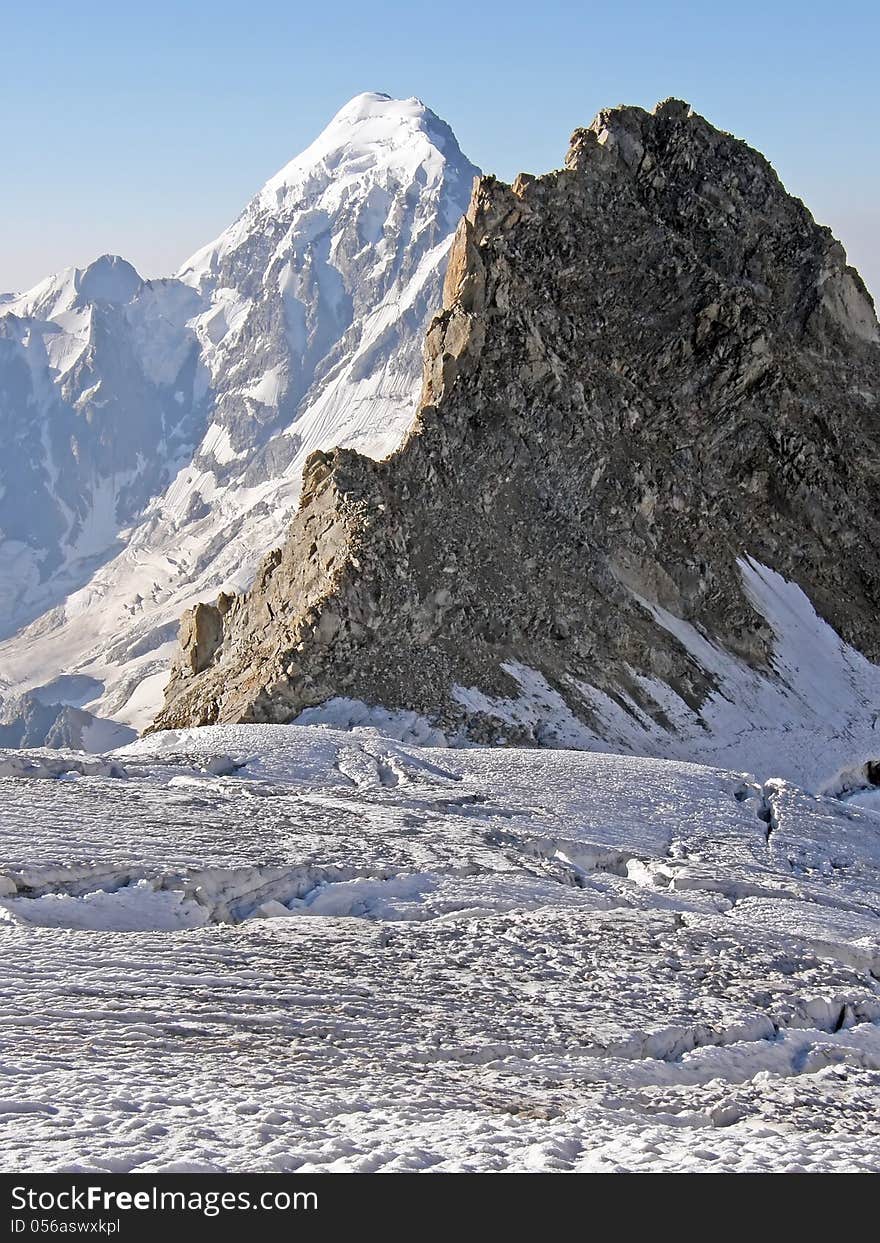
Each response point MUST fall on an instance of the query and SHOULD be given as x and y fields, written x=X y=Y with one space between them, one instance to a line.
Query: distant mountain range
x=155 y=431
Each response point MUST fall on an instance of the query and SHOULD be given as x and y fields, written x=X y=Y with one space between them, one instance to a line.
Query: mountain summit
x=638 y=507
x=156 y=431
x=372 y=137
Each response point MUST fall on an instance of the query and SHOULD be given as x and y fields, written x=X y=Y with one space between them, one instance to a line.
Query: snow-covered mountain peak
x=158 y=429
x=108 y=278
x=373 y=148
x=372 y=130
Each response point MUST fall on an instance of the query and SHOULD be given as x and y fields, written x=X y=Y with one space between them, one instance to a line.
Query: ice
x=318 y=948
x=45 y=762
x=346 y=713
x=132 y=908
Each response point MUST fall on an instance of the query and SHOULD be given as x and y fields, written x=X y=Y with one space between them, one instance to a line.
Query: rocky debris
x=649 y=364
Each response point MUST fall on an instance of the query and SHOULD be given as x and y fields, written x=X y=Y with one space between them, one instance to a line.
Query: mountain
x=97 y=409
x=34 y=721
x=638 y=509
x=156 y=430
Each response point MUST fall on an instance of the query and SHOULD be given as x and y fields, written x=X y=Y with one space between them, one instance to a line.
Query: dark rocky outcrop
x=649 y=364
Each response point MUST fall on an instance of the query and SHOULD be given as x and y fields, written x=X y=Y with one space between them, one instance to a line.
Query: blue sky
x=142 y=129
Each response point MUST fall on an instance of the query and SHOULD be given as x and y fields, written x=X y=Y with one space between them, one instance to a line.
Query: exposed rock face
x=649 y=365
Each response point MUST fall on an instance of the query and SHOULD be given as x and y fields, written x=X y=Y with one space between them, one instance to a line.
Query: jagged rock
x=649 y=365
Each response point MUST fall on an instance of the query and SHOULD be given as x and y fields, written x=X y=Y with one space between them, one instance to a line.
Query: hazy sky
x=143 y=128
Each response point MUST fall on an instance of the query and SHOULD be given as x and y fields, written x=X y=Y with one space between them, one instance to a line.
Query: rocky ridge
x=651 y=365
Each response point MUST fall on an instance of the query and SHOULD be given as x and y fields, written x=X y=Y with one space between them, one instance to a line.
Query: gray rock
x=649 y=364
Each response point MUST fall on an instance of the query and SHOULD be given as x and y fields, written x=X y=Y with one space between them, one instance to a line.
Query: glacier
x=276 y=949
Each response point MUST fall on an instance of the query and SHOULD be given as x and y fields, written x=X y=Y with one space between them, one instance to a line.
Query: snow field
x=298 y=948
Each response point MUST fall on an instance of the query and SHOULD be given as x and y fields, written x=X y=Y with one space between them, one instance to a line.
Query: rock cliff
x=652 y=369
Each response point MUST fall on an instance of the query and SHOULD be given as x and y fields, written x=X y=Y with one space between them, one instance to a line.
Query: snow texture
x=304 y=948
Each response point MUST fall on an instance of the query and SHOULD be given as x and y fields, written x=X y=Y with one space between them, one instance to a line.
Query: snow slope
x=811 y=715
x=158 y=429
x=295 y=948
